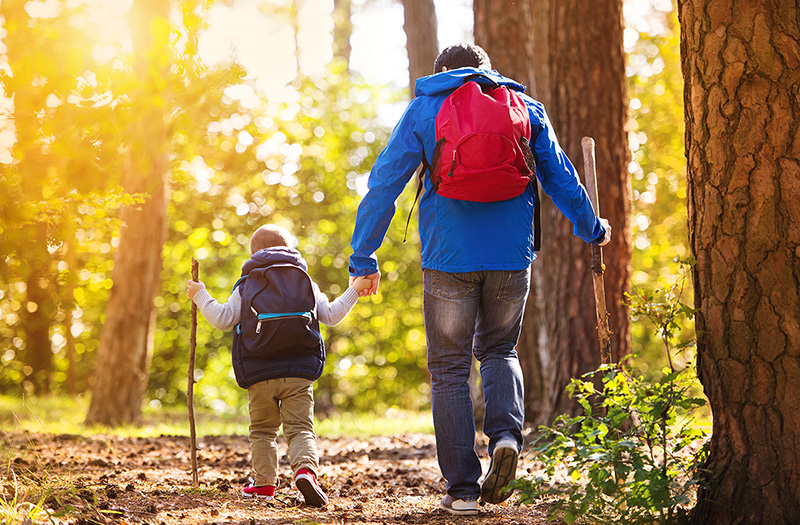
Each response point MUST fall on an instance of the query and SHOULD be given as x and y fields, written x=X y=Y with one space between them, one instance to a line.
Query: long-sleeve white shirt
x=226 y=315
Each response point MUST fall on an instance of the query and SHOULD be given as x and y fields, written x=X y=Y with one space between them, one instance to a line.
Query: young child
x=279 y=377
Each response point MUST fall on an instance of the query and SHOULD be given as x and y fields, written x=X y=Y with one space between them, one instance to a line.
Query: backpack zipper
x=276 y=317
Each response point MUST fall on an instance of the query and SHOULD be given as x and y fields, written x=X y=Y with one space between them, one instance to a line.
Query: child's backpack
x=278 y=311
x=483 y=152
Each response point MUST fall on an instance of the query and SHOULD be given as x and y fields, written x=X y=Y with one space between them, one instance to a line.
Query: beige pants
x=289 y=401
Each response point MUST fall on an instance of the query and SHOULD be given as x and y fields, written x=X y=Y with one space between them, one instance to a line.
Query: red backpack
x=483 y=151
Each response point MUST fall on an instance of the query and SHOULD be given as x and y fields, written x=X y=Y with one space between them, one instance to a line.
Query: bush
x=631 y=457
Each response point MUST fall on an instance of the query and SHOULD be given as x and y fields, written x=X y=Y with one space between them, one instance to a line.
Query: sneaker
x=265 y=492
x=459 y=507
x=502 y=471
x=306 y=482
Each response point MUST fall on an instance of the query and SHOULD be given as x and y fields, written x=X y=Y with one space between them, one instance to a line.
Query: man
x=476 y=259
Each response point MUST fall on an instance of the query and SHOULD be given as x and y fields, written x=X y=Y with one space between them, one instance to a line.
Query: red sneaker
x=306 y=482
x=265 y=492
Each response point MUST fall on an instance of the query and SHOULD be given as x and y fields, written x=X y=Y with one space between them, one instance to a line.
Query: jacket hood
x=275 y=255
x=448 y=80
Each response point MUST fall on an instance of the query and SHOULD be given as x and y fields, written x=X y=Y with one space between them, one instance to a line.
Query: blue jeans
x=480 y=313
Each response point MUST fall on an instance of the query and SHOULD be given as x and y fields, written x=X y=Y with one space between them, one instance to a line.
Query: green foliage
x=238 y=159
x=298 y=163
x=63 y=173
x=658 y=169
x=632 y=457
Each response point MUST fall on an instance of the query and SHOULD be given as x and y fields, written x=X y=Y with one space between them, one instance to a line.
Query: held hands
x=361 y=283
x=366 y=285
x=607 y=226
x=192 y=287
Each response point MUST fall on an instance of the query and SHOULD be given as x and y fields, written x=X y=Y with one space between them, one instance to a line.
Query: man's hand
x=371 y=290
x=192 y=287
x=361 y=283
x=607 y=226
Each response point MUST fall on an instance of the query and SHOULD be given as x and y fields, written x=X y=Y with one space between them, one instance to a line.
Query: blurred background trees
x=253 y=132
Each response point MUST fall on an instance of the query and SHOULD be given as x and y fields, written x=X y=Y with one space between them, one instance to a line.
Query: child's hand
x=192 y=287
x=361 y=283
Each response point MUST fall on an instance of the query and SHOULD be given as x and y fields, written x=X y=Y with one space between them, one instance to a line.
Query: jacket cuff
x=601 y=236
x=350 y=296
x=202 y=297
x=362 y=270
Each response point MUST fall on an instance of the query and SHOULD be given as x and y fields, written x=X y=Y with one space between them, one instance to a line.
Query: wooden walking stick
x=603 y=331
x=190 y=386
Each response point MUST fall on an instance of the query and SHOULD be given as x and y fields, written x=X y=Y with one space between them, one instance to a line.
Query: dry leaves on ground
x=114 y=480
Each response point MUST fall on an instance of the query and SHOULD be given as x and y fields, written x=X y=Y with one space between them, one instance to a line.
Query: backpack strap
x=537 y=215
x=420 y=183
x=537 y=210
x=239 y=281
x=426 y=165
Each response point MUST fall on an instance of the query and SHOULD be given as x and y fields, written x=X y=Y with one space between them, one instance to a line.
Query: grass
x=64 y=415
x=27 y=498
x=365 y=425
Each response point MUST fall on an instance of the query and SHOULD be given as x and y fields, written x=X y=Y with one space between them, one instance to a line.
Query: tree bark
x=741 y=67
x=342 y=29
x=579 y=69
x=39 y=306
x=123 y=358
x=39 y=310
x=422 y=41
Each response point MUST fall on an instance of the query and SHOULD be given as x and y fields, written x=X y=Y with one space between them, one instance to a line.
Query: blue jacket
x=462 y=236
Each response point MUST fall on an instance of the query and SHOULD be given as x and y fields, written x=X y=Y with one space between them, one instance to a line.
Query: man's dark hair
x=462 y=55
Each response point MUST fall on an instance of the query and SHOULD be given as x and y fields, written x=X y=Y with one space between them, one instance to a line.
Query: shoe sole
x=311 y=493
x=258 y=496
x=503 y=471
x=456 y=512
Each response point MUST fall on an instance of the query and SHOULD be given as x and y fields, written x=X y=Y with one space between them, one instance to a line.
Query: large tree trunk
x=39 y=310
x=508 y=38
x=741 y=67
x=342 y=29
x=580 y=73
x=39 y=306
x=422 y=41
x=123 y=358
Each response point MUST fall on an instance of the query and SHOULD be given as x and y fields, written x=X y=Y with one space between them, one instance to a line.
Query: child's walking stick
x=603 y=330
x=190 y=386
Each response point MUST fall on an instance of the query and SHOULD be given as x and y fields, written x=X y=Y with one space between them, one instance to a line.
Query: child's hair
x=462 y=55
x=268 y=236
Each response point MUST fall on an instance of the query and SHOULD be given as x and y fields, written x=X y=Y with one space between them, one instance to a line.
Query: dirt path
x=112 y=480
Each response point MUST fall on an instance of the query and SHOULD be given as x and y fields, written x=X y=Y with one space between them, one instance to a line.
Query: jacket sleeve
x=392 y=170
x=220 y=316
x=560 y=179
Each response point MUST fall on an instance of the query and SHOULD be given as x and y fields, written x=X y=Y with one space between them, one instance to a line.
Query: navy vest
x=278 y=333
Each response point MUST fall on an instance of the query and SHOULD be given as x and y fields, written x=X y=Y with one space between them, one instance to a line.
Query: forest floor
x=124 y=481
